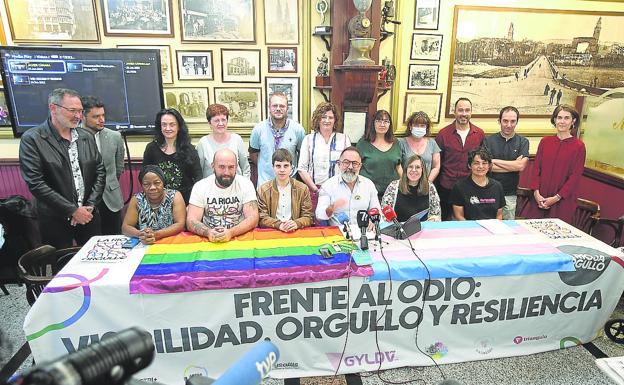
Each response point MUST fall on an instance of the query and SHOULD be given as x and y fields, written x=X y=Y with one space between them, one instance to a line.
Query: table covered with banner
x=486 y=290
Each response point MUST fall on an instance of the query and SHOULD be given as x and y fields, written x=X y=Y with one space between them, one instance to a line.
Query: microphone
x=111 y=361
x=391 y=216
x=373 y=213
x=252 y=367
x=343 y=218
x=362 y=220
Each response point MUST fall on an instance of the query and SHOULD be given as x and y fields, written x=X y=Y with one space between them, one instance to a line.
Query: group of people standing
x=301 y=179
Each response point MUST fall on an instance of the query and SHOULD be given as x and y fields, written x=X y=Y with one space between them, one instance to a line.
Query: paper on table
x=614 y=367
x=495 y=226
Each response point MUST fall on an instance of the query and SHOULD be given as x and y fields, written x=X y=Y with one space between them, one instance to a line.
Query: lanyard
x=332 y=147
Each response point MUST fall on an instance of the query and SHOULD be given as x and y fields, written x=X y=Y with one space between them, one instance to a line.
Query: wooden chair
x=36 y=268
x=586 y=215
x=524 y=196
x=616 y=225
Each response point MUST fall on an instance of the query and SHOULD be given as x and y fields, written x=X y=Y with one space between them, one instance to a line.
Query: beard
x=349 y=176
x=224 y=181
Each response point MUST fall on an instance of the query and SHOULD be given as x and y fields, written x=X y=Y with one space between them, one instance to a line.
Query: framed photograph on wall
x=430 y=103
x=195 y=65
x=137 y=18
x=281 y=21
x=191 y=102
x=423 y=77
x=165 y=60
x=232 y=21
x=427 y=14
x=66 y=22
x=245 y=105
x=289 y=86
x=426 y=46
x=240 y=65
x=282 y=59
x=5 y=119
x=531 y=67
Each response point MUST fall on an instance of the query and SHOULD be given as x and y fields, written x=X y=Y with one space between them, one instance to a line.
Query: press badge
x=334 y=155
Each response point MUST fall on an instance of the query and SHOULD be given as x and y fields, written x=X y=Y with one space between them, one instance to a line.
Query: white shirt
x=222 y=206
x=316 y=155
x=363 y=197
x=284 y=212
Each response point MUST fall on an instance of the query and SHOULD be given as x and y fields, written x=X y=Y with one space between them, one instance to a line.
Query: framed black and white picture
x=427 y=14
x=191 y=102
x=232 y=21
x=430 y=103
x=240 y=65
x=423 y=76
x=137 y=18
x=245 y=105
x=195 y=65
x=426 y=46
x=282 y=59
x=290 y=87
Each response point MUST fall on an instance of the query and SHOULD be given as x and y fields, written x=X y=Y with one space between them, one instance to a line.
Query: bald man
x=224 y=204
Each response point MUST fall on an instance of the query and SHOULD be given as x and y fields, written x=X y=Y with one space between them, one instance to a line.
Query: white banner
x=203 y=333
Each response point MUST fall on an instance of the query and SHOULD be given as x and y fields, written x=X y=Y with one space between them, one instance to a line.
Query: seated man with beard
x=346 y=192
x=224 y=204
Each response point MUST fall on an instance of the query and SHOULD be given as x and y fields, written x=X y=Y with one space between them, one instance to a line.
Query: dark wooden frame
x=260 y=101
x=198 y=77
x=294 y=70
x=416 y=16
x=296 y=104
x=412 y=57
x=409 y=72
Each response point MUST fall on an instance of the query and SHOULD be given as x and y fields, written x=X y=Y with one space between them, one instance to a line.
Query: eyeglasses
x=347 y=163
x=71 y=110
x=384 y=121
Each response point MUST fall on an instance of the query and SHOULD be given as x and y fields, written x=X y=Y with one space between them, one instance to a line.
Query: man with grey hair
x=63 y=169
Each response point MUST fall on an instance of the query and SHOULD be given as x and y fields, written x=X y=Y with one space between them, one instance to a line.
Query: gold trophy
x=359 y=32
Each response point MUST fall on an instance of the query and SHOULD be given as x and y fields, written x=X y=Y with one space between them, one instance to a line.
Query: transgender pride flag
x=260 y=258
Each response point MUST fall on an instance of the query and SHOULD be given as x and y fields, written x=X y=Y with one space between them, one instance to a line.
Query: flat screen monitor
x=128 y=81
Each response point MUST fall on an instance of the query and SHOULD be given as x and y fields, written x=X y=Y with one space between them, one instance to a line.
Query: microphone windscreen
x=389 y=213
x=342 y=217
x=252 y=367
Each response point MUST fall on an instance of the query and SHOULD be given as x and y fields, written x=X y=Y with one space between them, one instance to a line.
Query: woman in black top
x=477 y=196
x=413 y=193
x=172 y=151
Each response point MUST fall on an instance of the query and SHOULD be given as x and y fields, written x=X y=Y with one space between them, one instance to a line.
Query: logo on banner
x=193 y=371
x=568 y=342
x=484 y=346
x=86 y=301
x=520 y=339
x=361 y=359
x=286 y=365
x=437 y=350
x=589 y=263
x=106 y=250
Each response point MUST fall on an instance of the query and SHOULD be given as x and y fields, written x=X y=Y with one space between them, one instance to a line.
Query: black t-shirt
x=409 y=204
x=478 y=202
x=507 y=149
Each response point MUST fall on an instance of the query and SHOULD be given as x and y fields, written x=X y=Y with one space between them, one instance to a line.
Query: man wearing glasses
x=63 y=169
x=276 y=132
x=346 y=192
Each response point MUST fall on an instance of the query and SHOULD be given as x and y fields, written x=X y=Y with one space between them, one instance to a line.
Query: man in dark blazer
x=111 y=147
x=63 y=169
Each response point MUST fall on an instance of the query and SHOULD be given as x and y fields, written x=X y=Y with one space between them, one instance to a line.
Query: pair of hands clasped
x=545 y=203
x=219 y=234
x=82 y=216
x=147 y=236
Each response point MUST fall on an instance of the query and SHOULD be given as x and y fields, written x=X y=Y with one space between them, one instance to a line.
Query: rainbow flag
x=260 y=258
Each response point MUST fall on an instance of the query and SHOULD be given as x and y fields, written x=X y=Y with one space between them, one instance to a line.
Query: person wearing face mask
x=217 y=116
x=347 y=192
x=416 y=142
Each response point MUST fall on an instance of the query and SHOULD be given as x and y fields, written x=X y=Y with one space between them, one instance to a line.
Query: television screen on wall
x=128 y=81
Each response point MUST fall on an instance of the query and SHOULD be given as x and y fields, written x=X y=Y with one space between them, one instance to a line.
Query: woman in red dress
x=557 y=169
